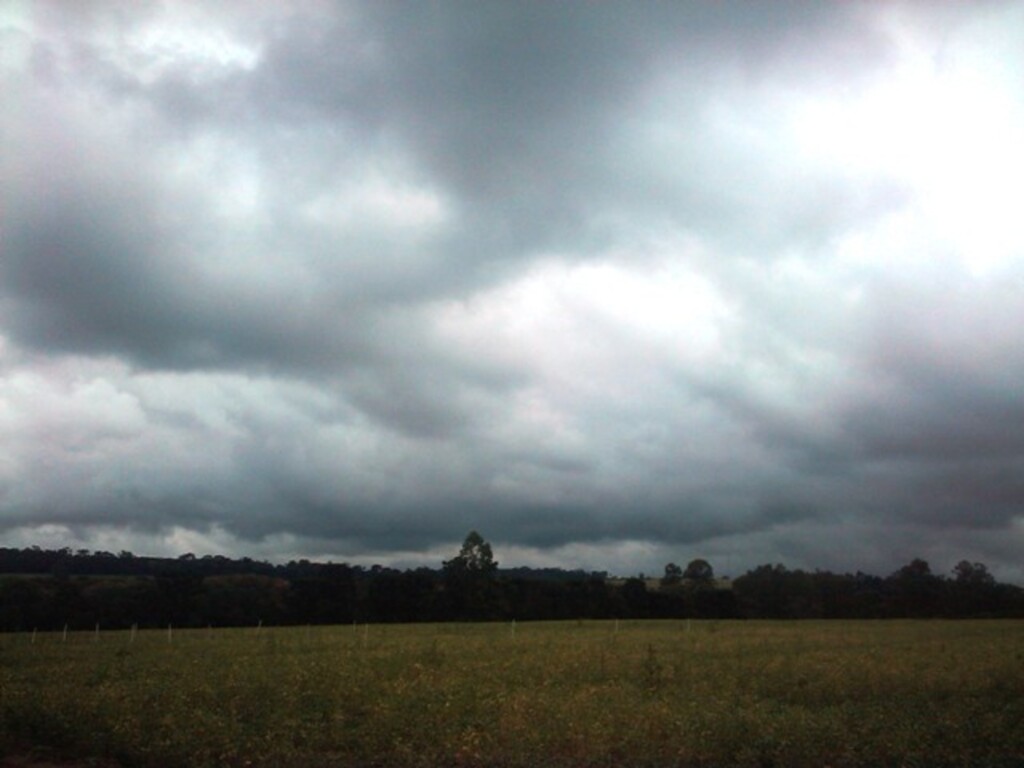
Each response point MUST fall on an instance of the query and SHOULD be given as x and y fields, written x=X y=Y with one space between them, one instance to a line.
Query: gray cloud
x=614 y=285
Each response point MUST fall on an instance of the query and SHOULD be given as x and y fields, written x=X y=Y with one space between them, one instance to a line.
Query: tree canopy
x=475 y=558
x=47 y=590
x=699 y=570
x=673 y=575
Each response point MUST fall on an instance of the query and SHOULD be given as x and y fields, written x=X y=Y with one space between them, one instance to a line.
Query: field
x=897 y=693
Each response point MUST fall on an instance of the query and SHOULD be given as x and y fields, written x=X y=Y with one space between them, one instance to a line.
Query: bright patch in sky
x=584 y=322
x=377 y=200
x=182 y=40
x=946 y=124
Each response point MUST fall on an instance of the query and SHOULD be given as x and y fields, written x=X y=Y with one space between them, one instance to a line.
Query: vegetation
x=48 y=590
x=673 y=693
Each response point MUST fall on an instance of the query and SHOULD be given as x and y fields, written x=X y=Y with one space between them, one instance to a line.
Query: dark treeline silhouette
x=49 y=589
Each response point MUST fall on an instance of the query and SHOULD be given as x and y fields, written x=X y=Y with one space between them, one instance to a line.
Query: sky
x=616 y=285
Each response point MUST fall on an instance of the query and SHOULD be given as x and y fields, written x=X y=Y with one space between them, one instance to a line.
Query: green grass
x=834 y=694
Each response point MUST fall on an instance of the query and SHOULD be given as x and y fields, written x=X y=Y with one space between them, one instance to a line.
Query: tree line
x=49 y=589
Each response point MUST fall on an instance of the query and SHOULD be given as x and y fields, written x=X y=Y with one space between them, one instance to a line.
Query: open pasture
x=897 y=693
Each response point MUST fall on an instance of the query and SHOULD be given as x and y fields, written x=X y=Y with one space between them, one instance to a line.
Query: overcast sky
x=614 y=284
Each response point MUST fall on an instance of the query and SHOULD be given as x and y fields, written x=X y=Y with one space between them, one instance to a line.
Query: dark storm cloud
x=938 y=429
x=597 y=280
x=524 y=111
x=514 y=107
x=103 y=258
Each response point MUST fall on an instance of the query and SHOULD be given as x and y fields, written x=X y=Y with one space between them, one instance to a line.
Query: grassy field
x=834 y=694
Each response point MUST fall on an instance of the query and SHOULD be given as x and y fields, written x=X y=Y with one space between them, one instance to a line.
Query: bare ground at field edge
x=36 y=761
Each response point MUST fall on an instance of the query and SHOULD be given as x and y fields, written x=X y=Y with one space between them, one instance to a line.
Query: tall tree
x=699 y=570
x=673 y=575
x=915 y=591
x=475 y=558
x=469 y=580
x=974 y=574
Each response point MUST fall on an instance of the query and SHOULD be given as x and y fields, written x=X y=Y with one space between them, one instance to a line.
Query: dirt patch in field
x=37 y=761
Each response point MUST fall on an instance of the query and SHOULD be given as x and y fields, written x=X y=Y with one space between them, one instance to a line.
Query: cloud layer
x=613 y=285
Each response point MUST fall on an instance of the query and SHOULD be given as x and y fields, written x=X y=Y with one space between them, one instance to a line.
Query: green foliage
x=973 y=574
x=474 y=559
x=673 y=575
x=469 y=580
x=46 y=590
x=556 y=694
x=699 y=570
